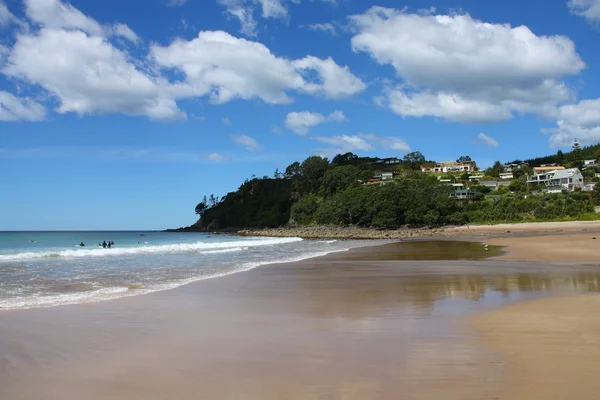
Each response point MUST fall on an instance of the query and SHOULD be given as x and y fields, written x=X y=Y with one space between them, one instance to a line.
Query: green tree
x=596 y=195
x=339 y=178
x=463 y=159
x=495 y=170
x=201 y=207
x=312 y=170
x=597 y=154
x=293 y=170
x=560 y=157
x=345 y=159
x=414 y=159
x=517 y=186
x=304 y=210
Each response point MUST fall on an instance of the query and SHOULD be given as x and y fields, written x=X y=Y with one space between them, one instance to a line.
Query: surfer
x=104 y=244
x=81 y=244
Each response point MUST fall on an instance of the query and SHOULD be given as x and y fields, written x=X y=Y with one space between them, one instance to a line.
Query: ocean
x=44 y=269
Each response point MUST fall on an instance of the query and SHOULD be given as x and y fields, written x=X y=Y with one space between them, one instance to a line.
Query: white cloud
x=56 y=14
x=459 y=68
x=6 y=17
x=123 y=31
x=89 y=75
x=243 y=10
x=346 y=143
x=579 y=121
x=226 y=121
x=327 y=27
x=13 y=108
x=362 y=142
x=334 y=81
x=589 y=9
x=302 y=122
x=216 y=157
x=227 y=67
x=386 y=143
x=490 y=141
x=249 y=143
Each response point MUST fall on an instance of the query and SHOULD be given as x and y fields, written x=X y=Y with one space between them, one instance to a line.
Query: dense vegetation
x=318 y=191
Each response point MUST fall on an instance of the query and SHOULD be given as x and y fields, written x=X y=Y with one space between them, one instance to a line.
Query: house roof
x=564 y=173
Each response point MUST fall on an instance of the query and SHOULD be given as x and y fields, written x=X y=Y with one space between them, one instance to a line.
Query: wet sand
x=336 y=327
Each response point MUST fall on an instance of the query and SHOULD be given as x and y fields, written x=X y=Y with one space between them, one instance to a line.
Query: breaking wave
x=198 y=247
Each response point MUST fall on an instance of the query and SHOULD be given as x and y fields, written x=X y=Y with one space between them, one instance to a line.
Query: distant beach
x=512 y=317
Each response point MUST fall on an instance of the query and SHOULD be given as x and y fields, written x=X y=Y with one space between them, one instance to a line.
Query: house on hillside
x=547 y=168
x=590 y=163
x=464 y=194
x=506 y=176
x=449 y=167
x=383 y=175
x=387 y=161
x=559 y=179
x=589 y=187
x=476 y=177
x=513 y=167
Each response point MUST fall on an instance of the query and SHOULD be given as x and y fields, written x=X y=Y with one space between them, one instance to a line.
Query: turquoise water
x=41 y=269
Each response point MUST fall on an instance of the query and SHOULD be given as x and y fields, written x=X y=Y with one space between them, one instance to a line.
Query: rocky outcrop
x=335 y=232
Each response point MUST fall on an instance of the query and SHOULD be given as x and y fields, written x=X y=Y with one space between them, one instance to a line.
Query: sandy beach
x=364 y=324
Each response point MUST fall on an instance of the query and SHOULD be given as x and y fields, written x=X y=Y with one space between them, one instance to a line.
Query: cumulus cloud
x=56 y=14
x=327 y=27
x=362 y=142
x=216 y=157
x=13 y=108
x=332 y=81
x=226 y=67
x=302 y=122
x=89 y=75
x=589 y=9
x=462 y=69
x=488 y=140
x=249 y=143
x=579 y=121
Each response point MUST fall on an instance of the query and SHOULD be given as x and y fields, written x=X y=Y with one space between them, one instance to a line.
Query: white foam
x=112 y=293
x=165 y=248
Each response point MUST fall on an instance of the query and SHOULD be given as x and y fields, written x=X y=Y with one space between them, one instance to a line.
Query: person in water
x=104 y=244
x=81 y=244
x=109 y=244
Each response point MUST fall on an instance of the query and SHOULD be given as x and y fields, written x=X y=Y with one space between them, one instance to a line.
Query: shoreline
x=332 y=232
x=355 y=324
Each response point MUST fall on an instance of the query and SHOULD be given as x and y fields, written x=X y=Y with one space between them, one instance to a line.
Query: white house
x=506 y=176
x=450 y=167
x=387 y=175
x=590 y=163
x=558 y=180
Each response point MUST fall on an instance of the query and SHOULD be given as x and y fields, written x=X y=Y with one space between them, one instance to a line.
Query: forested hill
x=577 y=153
x=342 y=192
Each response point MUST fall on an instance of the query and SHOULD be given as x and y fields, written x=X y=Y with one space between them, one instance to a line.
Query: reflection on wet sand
x=337 y=327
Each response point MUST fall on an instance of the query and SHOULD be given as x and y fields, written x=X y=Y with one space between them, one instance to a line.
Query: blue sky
x=118 y=116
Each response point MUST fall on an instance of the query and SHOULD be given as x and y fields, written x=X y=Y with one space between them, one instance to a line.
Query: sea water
x=42 y=269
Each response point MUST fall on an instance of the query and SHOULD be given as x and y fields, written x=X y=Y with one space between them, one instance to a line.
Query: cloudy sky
x=115 y=115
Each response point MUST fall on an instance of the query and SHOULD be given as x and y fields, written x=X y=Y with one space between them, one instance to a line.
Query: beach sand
x=336 y=327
